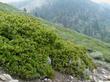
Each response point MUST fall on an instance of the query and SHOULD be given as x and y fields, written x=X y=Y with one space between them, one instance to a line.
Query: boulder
x=7 y=78
x=97 y=55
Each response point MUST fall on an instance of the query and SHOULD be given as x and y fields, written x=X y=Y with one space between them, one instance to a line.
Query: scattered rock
x=100 y=74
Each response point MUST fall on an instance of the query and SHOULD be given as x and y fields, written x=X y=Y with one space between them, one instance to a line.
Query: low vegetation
x=26 y=44
x=90 y=43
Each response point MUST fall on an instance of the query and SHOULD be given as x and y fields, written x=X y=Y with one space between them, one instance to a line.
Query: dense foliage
x=26 y=44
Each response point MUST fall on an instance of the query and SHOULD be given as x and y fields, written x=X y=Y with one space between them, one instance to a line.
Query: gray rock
x=47 y=80
x=49 y=60
x=97 y=55
x=14 y=81
x=7 y=78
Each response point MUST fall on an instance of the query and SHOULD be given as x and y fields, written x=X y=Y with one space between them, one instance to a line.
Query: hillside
x=84 y=16
x=90 y=12
x=89 y=42
x=6 y=7
x=31 y=48
x=27 y=45
x=78 y=38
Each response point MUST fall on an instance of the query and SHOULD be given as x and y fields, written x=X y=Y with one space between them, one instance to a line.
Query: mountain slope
x=94 y=17
x=84 y=16
x=30 y=49
x=6 y=7
x=78 y=38
x=88 y=42
x=25 y=39
x=28 y=4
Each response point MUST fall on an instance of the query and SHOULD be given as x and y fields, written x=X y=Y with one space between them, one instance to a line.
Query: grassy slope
x=6 y=7
x=73 y=36
x=26 y=44
x=81 y=39
x=86 y=41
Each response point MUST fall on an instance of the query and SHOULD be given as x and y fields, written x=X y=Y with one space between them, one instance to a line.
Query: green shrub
x=26 y=44
x=70 y=59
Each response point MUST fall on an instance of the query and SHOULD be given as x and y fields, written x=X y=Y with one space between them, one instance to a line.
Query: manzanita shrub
x=26 y=43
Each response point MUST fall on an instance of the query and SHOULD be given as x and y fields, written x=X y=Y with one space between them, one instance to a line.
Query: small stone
x=108 y=78
x=94 y=71
x=71 y=77
x=100 y=81
x=47 y=80
x=14 y=81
